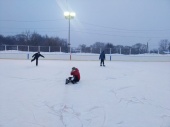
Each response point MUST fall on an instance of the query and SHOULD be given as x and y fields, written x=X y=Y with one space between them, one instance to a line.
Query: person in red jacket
x=76 y=76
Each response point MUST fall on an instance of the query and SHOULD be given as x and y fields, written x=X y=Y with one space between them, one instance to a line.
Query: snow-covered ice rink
x=122 y=94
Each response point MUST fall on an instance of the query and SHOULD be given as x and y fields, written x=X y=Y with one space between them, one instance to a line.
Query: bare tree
x=139 y=48
x=163 y=45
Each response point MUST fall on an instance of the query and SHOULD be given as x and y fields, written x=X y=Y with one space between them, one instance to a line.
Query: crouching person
x=76 y=76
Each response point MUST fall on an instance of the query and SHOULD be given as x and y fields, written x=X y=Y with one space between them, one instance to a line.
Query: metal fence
x=121 y=50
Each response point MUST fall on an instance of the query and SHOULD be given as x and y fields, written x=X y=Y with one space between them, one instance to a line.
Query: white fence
x=86 y=57
x=114 y=50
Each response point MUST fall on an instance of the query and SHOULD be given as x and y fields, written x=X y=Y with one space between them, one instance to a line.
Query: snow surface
x=122 y=94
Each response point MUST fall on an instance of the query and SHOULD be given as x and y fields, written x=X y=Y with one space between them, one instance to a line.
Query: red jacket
x=76 y=73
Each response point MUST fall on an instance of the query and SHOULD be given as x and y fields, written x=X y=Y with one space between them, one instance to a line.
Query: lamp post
x=69 y=16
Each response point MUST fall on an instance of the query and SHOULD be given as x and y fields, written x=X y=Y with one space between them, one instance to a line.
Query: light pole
x=69 y=16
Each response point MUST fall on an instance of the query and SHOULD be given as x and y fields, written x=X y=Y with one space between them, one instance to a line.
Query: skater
x=36 y=56
x=76 y=76
x=102 y=58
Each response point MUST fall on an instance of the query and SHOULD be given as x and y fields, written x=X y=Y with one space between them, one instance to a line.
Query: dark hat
x=73 y=68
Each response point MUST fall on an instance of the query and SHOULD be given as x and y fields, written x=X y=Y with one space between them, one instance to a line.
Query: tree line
x=138 y=48
x=34 y=39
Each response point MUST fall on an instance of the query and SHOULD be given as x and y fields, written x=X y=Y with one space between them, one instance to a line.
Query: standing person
x=102 y=58
x=36 y=56
x=76 y=76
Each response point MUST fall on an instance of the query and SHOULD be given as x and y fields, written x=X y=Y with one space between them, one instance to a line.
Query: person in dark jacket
x=36 y=56
x=102 y=58
x=76 y=76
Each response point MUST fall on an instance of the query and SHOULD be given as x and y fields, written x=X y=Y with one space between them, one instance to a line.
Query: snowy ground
x=122 y=94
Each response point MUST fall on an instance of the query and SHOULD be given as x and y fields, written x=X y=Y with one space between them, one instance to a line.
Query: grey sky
x=124 y=22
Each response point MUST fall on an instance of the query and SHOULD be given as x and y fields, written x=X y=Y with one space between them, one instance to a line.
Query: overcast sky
x=124 y=22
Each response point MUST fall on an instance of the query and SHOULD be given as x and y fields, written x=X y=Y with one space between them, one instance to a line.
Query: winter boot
x=67 y=81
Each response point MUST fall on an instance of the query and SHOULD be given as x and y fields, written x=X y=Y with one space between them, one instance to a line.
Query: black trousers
x=36 y=61
x=73 y=79
x=102 y=62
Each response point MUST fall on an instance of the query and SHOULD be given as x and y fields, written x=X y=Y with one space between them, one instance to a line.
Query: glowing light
x=69 y=15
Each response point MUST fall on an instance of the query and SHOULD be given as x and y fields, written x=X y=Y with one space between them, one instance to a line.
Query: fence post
x=120 y=51
x=100 y=50
x=28 y=48
x=17 y=47
x=60 y=49
x=28 y=56
x=70 y=52
x=49 y=48
x=130 y=51
x=91 y=50
x=39 y=48
x=5 y=47
x=110 y=54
